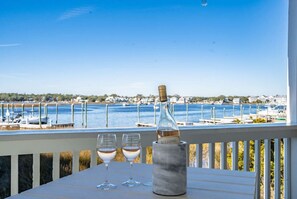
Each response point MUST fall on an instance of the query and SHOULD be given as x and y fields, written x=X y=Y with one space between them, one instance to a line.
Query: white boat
x=34 y=120
x=273 y=110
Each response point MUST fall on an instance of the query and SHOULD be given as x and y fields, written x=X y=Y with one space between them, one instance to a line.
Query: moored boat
x=34 y=120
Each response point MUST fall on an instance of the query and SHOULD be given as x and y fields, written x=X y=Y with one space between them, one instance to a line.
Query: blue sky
x=129 y=47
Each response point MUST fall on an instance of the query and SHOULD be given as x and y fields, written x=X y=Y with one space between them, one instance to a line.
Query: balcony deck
x=15 y=143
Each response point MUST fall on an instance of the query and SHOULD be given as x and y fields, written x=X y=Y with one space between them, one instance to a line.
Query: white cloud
x=10 y=45
x=75 y=12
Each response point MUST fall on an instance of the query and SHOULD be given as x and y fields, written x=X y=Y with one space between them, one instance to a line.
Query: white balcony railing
x=15 y=143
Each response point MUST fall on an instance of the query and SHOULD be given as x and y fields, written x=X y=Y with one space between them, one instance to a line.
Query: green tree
x=244 y=99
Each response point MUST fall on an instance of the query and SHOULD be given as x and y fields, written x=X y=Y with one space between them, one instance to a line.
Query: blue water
x=127 y=116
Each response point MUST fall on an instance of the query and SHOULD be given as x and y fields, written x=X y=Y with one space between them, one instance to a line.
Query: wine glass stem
x=106 y=175
x=131 y=169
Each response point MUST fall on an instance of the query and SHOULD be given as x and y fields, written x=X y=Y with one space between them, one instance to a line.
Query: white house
x=252 y=99
x=110 y=99
x=173 y=99
x=181 y=100
x=236 y=100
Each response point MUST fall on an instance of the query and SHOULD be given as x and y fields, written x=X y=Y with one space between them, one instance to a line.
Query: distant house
x=181 y=100
x=252 y=99
x=263 y=98
x=79 y=100
x=144 y=101
x=280 y=100
x=188 y=99
x=227 y=100
x=110 y=99
x=236 y=100
x=173 y=100
x=151 y=100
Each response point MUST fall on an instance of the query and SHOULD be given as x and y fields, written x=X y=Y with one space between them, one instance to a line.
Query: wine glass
x=106 y=150
x=131 y=149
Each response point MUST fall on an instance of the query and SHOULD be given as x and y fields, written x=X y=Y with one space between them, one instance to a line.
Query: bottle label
x=169 y=140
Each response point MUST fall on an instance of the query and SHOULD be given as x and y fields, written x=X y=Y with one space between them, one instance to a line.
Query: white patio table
x=202 y=184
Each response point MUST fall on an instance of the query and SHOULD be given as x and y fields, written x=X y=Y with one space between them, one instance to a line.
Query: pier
x=84 y=115
x=15 y=126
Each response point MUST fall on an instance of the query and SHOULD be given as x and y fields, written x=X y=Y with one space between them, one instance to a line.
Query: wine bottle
x=167 y=130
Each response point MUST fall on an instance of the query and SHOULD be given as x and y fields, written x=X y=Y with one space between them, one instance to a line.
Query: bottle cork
x=162 y=93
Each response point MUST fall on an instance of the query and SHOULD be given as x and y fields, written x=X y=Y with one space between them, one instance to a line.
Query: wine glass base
x=131 y=183
x=106 y=186
x=149 y=184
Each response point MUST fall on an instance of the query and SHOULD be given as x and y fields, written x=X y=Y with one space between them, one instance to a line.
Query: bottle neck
x=164 y=109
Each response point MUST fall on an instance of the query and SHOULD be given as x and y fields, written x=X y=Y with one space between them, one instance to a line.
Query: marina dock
x=140 y=124
x=15 y=126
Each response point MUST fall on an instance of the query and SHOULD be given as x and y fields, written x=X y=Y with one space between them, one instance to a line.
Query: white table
x=202 y=184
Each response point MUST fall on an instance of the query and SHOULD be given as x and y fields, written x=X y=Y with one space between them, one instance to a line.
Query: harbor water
x=127 y=116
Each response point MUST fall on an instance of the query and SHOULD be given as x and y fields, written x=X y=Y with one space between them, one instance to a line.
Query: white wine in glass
x=131 y=149
x=106 y=150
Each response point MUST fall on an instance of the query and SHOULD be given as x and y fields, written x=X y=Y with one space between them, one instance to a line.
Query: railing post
x=276 y=169
x=72 y=113
x=241 y=114
x=46 y=110
x=57 y=110
x=56 y=165
x=106 y=116
x=223 y=156
x=36 y=170
x=143 y=155
x=7 y=114
x=292 y=96
x=39 y=115
x=138 y=113
x=187 y=111
x=257 y=167
x=75 y=162
x=86 y=114
x=199 y=148
x=235 y=155
x=93 y=158
x=23 y=110
x=287 y=168
x=214 y=114
x=211 y=155
x=246 y=156
x=12 y=108
x=2 y=111
x=82 y=114
x=14 y=186
x=233 y=111
x=32 y=110
x=250 y=110
x=155 y=118
x=267 y=177
x=202 y=112
x=188 y=155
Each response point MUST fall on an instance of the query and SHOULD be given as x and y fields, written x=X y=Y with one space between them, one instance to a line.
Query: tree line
x=16 y=97
x=55 y=97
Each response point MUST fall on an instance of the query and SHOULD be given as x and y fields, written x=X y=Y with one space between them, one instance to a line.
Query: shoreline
x=36 y=104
